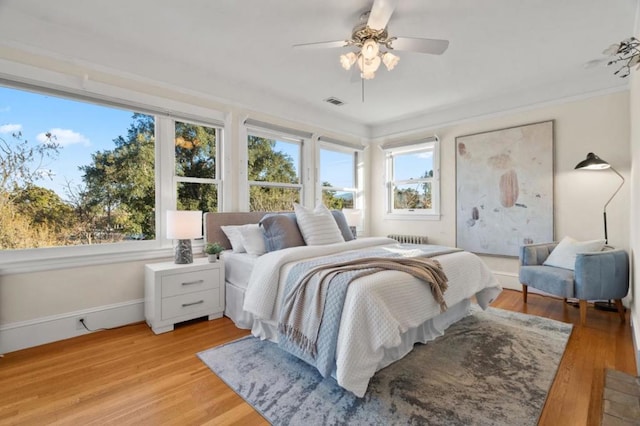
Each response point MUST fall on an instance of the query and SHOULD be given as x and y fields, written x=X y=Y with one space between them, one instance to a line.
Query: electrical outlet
x=79 y=325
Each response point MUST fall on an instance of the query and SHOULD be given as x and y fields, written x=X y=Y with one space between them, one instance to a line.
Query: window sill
x=30 y=264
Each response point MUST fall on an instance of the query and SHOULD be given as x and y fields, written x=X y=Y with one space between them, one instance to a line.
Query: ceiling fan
x=370 y=36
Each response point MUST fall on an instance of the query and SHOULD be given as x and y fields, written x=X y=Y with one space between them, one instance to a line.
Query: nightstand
x=174 y=293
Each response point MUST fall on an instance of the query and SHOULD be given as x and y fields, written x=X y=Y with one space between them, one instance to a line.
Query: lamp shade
x=183 y=224
x=593 y=162
x=353 y=216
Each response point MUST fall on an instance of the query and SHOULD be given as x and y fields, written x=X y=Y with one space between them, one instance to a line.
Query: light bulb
x=368 y=66
x=347 y=60
x=390 y=60
x=370 y=49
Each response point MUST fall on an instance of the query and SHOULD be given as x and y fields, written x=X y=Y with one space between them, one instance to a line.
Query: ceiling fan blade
x=381 y=12
x=322 y=45
x=422 y=45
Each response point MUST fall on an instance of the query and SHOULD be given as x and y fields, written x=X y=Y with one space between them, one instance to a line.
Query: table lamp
x=183 y=225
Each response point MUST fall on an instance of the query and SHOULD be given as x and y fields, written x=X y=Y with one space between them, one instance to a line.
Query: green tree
x=120 y=183
x=23 y=163
x=195 y=149
x=44 y=208
x=23 y=224
x=334 y=202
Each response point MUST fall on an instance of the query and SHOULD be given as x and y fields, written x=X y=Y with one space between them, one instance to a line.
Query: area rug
x=494 y=367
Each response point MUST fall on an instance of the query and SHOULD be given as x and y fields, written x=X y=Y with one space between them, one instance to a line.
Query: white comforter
x=378 y=309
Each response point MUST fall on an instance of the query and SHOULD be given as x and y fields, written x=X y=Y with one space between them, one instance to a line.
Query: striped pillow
x=318 y=227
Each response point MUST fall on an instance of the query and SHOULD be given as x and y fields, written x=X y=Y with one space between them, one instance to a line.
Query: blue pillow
x=342 y=224
x=281 y=231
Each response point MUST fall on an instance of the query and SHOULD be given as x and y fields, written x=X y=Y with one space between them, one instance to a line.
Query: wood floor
x=131 y=376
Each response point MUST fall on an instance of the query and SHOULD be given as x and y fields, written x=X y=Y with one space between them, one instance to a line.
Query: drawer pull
x=193 y=282
x=184 y=305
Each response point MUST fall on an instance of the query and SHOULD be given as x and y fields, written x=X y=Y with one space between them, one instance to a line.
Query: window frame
x=390 y=153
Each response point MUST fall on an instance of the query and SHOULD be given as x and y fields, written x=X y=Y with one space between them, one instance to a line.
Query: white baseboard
x=508 y=280
x=26 y=334
x=635 y=334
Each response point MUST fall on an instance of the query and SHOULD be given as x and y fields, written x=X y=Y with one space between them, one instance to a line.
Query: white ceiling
x=503 y=53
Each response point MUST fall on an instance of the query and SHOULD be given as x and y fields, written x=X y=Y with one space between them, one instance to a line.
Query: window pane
x=337 y=169
x=338 y=200
x=195 y=151
x=413 y=165
x=73 y=172
x=413 y=196
x=272 y=199
x=197 y=196
x=271 y=160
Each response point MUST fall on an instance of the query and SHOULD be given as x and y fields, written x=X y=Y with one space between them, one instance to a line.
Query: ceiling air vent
x=334 y=101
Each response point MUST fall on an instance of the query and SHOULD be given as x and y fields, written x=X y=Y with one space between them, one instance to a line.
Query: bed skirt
x=427 y=331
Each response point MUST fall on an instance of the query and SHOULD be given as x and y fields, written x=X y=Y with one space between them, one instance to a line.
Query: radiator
x=409 y=239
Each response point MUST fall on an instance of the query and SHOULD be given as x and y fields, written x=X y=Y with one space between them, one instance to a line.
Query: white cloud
x=5 y=109
x=64 y=137
x=428 y=154
x=10 y=128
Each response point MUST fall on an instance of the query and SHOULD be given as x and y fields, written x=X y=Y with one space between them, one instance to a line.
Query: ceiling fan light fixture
x=370 y=49
x=368 y=67
x=347 y=60
x=390 y=60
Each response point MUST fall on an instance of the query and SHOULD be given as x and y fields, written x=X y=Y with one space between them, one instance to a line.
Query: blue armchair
x=602 y=275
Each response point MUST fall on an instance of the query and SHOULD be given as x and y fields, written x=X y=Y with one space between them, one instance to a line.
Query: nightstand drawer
x=185 y=304
x=189 y=282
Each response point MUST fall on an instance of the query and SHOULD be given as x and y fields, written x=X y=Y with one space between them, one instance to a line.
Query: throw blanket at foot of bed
x=315 y=293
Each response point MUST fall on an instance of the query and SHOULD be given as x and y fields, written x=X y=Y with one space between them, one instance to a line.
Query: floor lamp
x=593 y=162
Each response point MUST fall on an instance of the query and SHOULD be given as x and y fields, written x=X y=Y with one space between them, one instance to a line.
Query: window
x=412 y=178
x=274 y=165
x=73 y=173
x=81 y=178
x=338 y=181
x=196 y=171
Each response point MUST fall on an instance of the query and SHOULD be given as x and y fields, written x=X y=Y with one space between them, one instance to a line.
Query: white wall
x=634 y=113
x=597 y=124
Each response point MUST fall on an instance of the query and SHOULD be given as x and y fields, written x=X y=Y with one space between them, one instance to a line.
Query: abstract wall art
x=504 y=189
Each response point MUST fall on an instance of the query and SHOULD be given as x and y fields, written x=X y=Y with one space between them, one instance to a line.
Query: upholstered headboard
x=213 y=222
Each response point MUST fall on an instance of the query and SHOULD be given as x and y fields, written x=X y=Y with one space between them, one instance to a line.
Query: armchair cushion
x=558 y=281
x=564 y=255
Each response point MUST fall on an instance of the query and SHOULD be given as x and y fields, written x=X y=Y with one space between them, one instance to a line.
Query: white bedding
x=380 y=309
x=238 y=267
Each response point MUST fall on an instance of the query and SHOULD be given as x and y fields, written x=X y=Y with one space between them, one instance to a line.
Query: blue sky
x=80 y=128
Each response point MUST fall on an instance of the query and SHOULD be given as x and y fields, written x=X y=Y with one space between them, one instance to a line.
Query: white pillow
x=318 y=227
x=235 y=238
x=564 y=255
x=253 y=239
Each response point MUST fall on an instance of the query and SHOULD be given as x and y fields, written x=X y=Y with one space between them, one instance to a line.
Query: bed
x=384 y=313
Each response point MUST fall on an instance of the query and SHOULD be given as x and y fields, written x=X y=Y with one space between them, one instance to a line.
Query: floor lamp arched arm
x=614 y=194
x=604 y=212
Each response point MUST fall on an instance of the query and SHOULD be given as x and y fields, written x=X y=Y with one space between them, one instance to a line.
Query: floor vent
x=334 y=101
x=409 y=239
